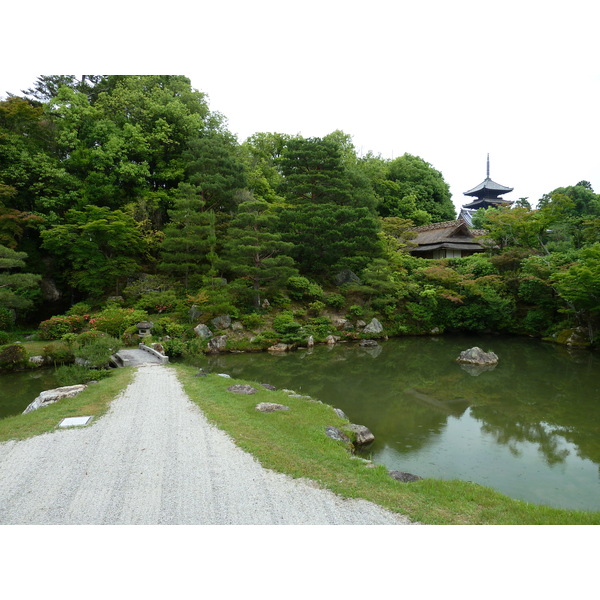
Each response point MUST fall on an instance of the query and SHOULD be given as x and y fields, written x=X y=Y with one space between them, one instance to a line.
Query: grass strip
x=93 y=401
x=294 y=442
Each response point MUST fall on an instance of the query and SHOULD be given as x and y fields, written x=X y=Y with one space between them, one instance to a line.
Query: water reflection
x=527 y=427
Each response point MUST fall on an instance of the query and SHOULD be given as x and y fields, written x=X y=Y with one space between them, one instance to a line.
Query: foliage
x=55 y=327
x=157 y=302
x=77 y=374
x=79 y=308
x=97 y=350
x=58 y=354
x=301 y=288
x=114 y=320
x=7 y=318
x=13 y=357
x=13 y=286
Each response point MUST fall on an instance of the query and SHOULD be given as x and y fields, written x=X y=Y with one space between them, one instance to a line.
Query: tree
x=188 y=248
x=98 y=248
x=254 y=250
x=15 y=286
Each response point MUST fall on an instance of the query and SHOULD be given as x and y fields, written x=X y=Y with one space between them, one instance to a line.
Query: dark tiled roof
x=488 y=185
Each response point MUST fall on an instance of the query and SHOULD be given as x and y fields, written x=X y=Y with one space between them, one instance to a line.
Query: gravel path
x=154 y=459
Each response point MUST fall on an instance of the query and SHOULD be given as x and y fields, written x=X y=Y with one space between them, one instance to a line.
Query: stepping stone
x=75 y=421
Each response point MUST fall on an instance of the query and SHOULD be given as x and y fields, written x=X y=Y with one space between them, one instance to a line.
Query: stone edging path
x=154 y=459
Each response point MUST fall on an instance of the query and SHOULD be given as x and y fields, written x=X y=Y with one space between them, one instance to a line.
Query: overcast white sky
x=448 y=81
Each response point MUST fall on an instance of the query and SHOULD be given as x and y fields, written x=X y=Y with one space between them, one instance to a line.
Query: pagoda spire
x=488 y=166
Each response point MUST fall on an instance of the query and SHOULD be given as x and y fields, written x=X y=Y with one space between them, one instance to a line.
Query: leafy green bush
x=58 y=355
x=170 y=327
x=174 y=347
x=316 y=307
x=96 y=351
x=252 y=321
x=13 y=357
x=157 y=302
x=114 y=320
x=319 y=327
x=76 y=374
x=80 y=308
x=4 y=337
x=335 y=301
x=300 y=288
x=55 y=327
x=356 y=311
x=7 y=318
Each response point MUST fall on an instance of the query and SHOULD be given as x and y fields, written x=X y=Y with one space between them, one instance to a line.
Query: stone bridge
x=136 y=357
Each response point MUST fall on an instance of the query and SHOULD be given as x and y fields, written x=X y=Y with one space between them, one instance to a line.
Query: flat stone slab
x=75 y=421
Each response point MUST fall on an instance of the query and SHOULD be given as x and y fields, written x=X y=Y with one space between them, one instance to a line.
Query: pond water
x=18 y=390
x=529 y=428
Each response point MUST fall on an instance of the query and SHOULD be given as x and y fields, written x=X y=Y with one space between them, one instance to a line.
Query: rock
x=217 y=344
x=265 y=303
x=576 y=337
x=270 y=407
x=360 y=323
x=158 y=347
x=347 y=276
x=194 y=313
x=279 y=348
x=367 y=343
x=310 y=342
x=403 y=477
x=331 y=339
x=476 y=356
x=221 y=322
x=200 y=373
x=52 y=396
x=340 y=413
x=49 y=290
x=373 y=327
x=240 y=388
x=36 y=360
x=476 y=370
x=203 y=332
x=339 y=322
x=363 y=435
x=268 y=386
x=335 y=434
x=224 y=375
x=237 y=326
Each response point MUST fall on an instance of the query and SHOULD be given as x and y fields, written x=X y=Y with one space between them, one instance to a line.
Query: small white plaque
x=74 y=421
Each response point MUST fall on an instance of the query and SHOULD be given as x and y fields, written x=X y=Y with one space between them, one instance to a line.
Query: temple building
x=456 y=239
x=486 y=194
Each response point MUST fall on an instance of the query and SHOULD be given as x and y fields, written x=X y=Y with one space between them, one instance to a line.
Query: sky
x=449 y=81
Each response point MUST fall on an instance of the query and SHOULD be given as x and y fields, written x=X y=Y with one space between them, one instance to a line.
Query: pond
x=18 y=390
x=528 y=428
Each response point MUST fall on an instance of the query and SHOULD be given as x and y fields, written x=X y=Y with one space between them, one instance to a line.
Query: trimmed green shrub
x=55 y=327
x=7 y=318
x=114 y=320
x=96 y=352
x=58 y=355
x=13 y=357
x=80 y=308
x=76 y=374
x=157 y=302
x=252 y=321
x=335 y=301
x=4 y=337
x=300 y=288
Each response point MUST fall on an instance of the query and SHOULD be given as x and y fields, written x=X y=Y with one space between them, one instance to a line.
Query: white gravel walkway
x=154 y=459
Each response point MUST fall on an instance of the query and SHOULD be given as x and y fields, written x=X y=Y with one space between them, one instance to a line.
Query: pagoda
x=486 y=195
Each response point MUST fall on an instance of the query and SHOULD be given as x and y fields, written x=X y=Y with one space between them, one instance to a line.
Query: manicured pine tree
x=254 y=250
x=188 y=249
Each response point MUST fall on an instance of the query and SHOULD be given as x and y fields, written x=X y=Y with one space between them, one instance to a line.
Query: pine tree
x=253 y=250
x=13 y=284
x=188 y=249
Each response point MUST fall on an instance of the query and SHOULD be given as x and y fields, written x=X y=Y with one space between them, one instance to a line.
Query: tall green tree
x=97 y=249
x=255 y=251
x=188 y=248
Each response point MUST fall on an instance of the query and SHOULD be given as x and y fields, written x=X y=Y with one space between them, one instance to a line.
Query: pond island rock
x=373 y=327
x=476 y=356
x=363 y=435
x=52 y=396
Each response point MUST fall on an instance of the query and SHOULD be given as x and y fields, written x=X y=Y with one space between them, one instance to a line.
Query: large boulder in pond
x=363 y=435
x=217 y=344
x=476 y=356
x=373 y=327
x=52 y=396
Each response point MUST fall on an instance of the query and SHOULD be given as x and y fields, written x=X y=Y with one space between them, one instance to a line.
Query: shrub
x=252 y=321
x=55 y=327
x=157 y=302
x=300 y=288
x=7 y=318
x=13 y=357
x=335 y=301
x=4 y=337
x=320 y=327
x=96 y=352
x=170 y=327
x=80 y=308
x=114 y=320
x=316 y=307
x=356 y=311
x=58 y=355
x=76 y=374
x=174 y=347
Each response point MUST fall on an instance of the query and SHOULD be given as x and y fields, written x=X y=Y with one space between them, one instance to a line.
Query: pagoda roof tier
x=488 y=189
x=487 y=202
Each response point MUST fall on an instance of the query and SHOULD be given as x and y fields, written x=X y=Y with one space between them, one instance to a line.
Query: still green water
x=18 y=390
x=529 y=428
